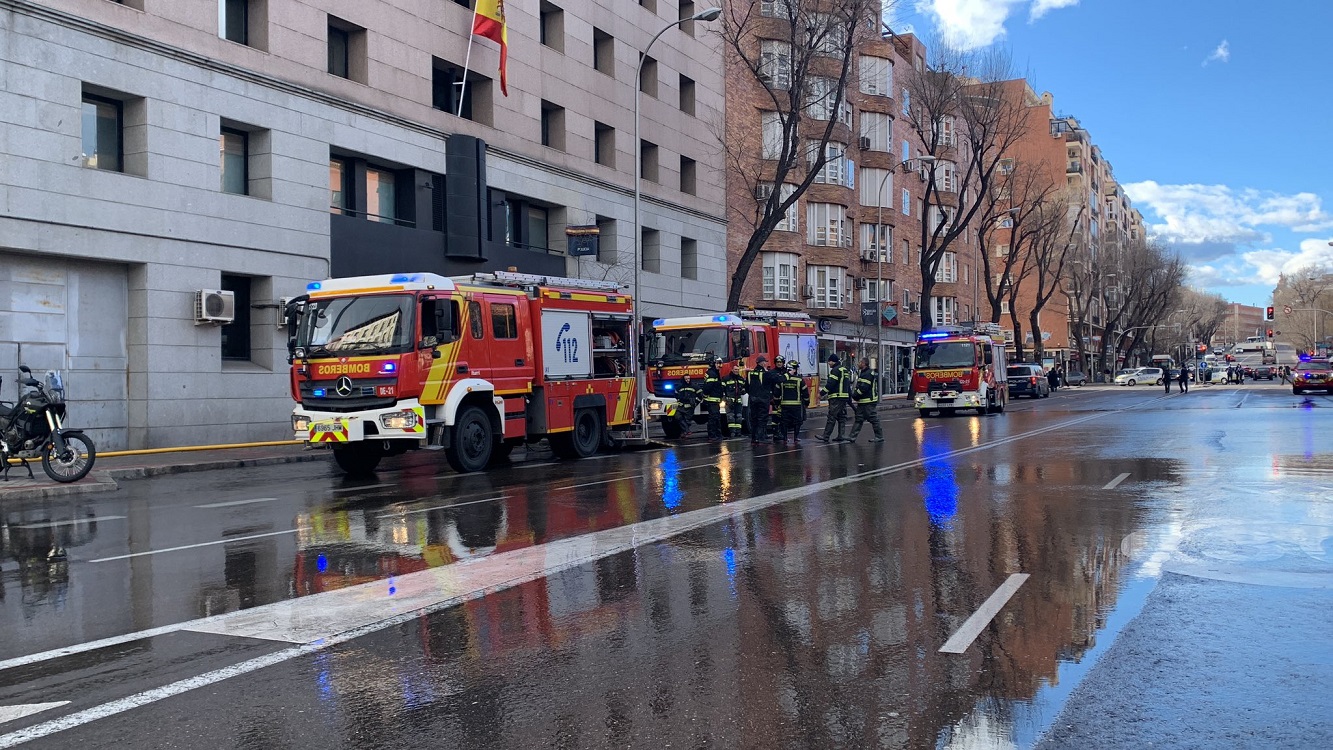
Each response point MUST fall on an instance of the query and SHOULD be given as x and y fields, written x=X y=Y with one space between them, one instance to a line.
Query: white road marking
x=536 y=466
x=1116 y=482
x=192 y=546
x=441 y=507
x=238 y=502
x=973 y=626
x=69 y=522
x=360 y=489
x=329 y=618
x=11 y=713
x=593 y=484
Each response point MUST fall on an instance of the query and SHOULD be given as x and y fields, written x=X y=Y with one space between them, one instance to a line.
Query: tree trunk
x=1038 y=351
x=1018 y=335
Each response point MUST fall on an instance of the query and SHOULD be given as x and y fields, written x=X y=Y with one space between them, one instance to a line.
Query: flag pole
x=467 y=63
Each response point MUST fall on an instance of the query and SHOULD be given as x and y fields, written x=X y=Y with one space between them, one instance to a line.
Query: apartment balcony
x=1074 y=167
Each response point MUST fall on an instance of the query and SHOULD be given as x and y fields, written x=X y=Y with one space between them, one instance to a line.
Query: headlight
x=402 y=420
x=654 y=406
x=300 y=423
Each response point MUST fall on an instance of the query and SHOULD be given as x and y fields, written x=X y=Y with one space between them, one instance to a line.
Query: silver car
x=1153 y=375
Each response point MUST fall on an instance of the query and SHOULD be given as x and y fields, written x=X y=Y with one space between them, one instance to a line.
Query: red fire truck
x=475 y=365
x=683 y=346
x=960 y=368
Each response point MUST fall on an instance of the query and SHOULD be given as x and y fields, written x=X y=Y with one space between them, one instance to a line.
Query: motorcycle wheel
x=75 y=463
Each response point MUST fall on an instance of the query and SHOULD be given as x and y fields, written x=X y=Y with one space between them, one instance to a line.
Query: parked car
x=1153 y=375
x=1314 y=375
x=1075 y=377
x=1264 y=372
x=1028 y=380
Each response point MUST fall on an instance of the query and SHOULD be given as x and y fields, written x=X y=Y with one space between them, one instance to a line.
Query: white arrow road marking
x=238 y=502
x=1116 y=482
x=973 y=626
x=12 y=713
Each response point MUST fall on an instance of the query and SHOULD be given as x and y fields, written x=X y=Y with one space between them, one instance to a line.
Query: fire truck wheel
x=473 y=441
x=586 y=437
x=672 y=429
x=358 y=459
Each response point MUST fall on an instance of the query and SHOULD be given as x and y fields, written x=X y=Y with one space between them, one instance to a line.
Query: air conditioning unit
x=808 y=292
x=214 y=307
x=865 y=143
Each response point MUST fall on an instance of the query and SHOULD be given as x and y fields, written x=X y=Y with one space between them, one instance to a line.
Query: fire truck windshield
x=689 y=345
x=379 y=324
x=946 y=354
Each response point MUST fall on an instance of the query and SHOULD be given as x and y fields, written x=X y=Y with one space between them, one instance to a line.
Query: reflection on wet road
x=698 y=596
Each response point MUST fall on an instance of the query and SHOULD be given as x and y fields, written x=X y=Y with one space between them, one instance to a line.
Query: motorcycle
x=34 y=428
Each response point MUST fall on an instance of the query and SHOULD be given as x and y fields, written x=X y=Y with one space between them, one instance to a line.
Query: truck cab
x=960 y=368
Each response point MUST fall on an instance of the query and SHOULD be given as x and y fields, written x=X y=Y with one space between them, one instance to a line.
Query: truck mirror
x=990 y=356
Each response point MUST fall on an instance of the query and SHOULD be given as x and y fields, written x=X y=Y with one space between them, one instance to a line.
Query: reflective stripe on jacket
x=791 y=390
x=836 y=385
x=867 y=387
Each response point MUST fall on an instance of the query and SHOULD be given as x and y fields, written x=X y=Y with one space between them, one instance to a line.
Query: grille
x=362 y=395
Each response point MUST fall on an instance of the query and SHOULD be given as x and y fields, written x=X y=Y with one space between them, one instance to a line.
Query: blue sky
x=1217 y=115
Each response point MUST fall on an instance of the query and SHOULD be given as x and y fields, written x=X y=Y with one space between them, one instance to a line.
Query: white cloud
x=1216 y=213
x=1042 y=7
x=1270 y=264
x=1221 y=54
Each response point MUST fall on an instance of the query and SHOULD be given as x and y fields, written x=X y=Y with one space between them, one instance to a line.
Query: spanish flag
x=489 y=22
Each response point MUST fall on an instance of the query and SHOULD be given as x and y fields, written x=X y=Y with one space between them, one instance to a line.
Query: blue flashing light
x=388 y=367
x=721 y=318
x=669 y=387
x=936 y=335
x=405 y=278
x=314 y=286
x=659 y=322
x=1305 y=358
x=319 y=393
x=322 y=564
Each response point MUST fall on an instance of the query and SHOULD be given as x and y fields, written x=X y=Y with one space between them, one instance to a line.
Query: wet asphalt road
x=1178 y=555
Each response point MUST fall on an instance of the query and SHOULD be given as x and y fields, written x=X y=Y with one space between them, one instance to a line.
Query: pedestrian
x=838 y=389
x=1053 y=378
x=712 y=392
x=794 y=395
x=733 y=387
x=1166 y=380
x=761 y=397
x=1184 y=379
x=866 y=398
x=687 y=396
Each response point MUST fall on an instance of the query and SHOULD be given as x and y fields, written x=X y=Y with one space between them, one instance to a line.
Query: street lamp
x=879 y=261
x=710 y=14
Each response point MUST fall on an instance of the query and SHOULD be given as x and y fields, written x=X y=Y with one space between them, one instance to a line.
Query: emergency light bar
x=774 y=314
x=509 y=278
x=382 y=283
x=936 y=335
x=698 y=321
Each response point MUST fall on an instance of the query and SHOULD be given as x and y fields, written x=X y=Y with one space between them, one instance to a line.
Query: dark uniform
x=866 y=399
x=761 y=396
x=733 y=388
x=774 y=380
x=795 y=393
x=838 y=386
x=712 y=391
x=688 y=397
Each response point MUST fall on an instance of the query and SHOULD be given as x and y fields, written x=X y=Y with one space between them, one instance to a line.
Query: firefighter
x=774 y=380
x=733 y=387
x=866 y=398
x=795 y=393
x=688 y=397
x=837 y=387
x=761 y=396
x=712 y=392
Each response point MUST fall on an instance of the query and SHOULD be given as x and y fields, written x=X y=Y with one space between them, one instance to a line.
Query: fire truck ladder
x=510 y=278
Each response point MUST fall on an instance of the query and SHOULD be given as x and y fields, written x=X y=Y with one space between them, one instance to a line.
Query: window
x=826 y=225
x=941 y=216
x=824 y=102
x=233 y=146
x=339 y=49
x=945 y=310
x=876 y=187
x=504 y=321
x=876 y=76
x=771 y=127
x=648 y=77
x=650 y=250
x=686 y=11
x=340 y=194
x=775 y=8
x=648 y=160
x=103 y=136
x=873 y=290
x=603 y=52
x=906 y=202
x=1004 y=307
x=689 y=258
x=775 y=64
x=789 y=217
x=447 y=87
x=234 y=20
x=553 y=26
x=828 y=283
x=877 y=242
x=381 y=195
x=907 y=103
x=553 y=125
x=780 y=276
x=687 y=95
x=830 y=34
x=606 y=240
x=474 y=320
x=604 y=144
x=877 y=131
x=525 y=225
x=649 y=5
x=837 y=169
x=965 y=274
x=947 y=272
x=688 y=176
x=944 y=132
x=907 y=252
x=1006 y=166
x=907 y=300
x=236 y=334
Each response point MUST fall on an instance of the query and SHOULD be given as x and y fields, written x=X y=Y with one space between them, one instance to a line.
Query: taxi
x=1312 y=375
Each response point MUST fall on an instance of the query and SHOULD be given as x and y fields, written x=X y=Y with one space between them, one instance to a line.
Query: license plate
x=322 y=427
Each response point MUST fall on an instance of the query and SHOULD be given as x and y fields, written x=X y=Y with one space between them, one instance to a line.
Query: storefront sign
x=582 y=240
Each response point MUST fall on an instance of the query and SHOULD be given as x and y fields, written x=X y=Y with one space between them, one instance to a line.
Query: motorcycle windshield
x=343 y=326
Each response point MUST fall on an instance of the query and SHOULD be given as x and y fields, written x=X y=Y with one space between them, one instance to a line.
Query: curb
x=144 y=472
x=97 y=481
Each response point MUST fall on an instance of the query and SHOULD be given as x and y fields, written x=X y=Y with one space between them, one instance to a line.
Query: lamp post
x=710 y=14
x=879 y=261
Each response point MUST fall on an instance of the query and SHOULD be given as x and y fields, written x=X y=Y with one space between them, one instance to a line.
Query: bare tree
x=1081 y=286
x=1047 y=255
x=1003 y=229
x=802 y=55
x=1148 y=280
x=959 y=112
x=1302 y=290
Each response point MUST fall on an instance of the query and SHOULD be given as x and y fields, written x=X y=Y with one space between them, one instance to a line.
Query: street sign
x=1286 y=309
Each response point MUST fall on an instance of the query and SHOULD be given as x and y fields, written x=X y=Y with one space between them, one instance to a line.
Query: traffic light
x=1270 y=333
x=1268 y=315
